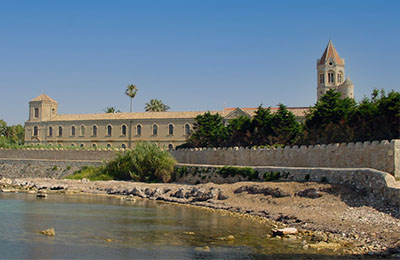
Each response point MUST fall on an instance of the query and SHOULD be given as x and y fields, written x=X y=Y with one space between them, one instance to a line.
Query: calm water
x=138 y=230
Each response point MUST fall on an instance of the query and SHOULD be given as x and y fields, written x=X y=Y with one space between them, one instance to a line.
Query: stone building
x=118 y=130
x=331 y=74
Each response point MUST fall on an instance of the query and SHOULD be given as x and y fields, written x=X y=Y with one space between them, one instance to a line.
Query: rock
x=48 y=232
x=137 y=192
x=180 y=193
x=222 y=196
x=228 y=238
x=309 y=193
x=41 y=194
x=84 y=180
x=256 y=189
x=284 y=231
x=189 y=233
x=324 y=245
x=108 y=240
x=202 y=249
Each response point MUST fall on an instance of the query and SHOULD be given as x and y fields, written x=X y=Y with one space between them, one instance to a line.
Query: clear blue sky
x=193 y=55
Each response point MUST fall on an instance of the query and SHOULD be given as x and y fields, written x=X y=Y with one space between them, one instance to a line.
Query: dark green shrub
x=271 y=176
x=245 y=172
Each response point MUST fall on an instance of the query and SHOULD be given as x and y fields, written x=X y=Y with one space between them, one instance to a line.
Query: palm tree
x=156 y=105
x=111 y=110
x=131 y=92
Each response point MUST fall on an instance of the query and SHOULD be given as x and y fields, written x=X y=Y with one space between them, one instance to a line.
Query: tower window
x=331 y=77
x=50 y=131
x=321 y=78
x=36 y=114
x=35 y=131
x=339 y=77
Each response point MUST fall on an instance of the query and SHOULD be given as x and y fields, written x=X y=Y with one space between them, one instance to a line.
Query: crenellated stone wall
x=383 y=156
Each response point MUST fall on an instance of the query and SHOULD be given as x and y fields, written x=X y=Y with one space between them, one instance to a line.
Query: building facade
x=116 y=130
x=331 y=74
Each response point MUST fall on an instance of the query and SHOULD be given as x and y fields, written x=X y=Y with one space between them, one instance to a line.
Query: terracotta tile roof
x=330 y=52
x=44 y=97
x=297 y=111
x=135 y=115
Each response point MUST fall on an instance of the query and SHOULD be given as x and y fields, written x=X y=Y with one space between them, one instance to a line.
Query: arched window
x=331 y=77
x=72 y=130
x=109 y=130
x=82 y=145
x=321 y=78
x=60 y=131
x=123 y=130
x=123 y=146
x=94 y=146
x=139 y=130
x=339 y=77
x=35 y=131
x=50 y=131
x=155 y=129
x=171 y=129
x=72 y=145
x=94 y=132
x=108 y=145
x=187 y=129
x=82 y=130
x=170 y=147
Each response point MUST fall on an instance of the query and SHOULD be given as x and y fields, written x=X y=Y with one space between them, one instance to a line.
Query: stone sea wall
x=372 y=182
x=382 y=156
x=25 y=168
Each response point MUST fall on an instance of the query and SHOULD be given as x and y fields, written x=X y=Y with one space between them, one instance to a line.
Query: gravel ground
x=325 y=213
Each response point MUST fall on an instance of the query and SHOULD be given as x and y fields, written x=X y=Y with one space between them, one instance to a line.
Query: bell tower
x=331 y=74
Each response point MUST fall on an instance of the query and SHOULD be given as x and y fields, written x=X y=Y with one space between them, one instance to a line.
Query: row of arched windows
x=331 y=77
x=170 y=146
x=109 y=129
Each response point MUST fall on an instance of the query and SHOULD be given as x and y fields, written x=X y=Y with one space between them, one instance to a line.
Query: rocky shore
x=325 y=216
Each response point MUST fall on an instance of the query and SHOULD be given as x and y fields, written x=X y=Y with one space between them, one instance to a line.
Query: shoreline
x=327 y=216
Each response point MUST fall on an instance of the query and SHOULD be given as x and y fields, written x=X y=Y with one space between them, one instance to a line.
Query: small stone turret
x=42 y=108
x=347 y=88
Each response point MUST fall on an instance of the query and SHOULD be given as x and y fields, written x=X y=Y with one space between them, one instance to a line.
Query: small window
x=109 y=146
x=123 y=130
x=187 y=129
x=170 y=147
x=82 y=130
x=155 y=129
x=331 y=77
x=82 y=145
x=123 y=146
x=50 y=131
x=60 y=131
x=94 y=130
x=35 y=131
x=72 y=145
x=36 y=112
x=109 y=130
x=73 y=131
x=339 y=77
x=171 y=129
x=94 y=146
x=139 y=130
x=321 y=78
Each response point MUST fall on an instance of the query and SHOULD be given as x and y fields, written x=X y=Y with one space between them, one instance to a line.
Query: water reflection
x=142 y=229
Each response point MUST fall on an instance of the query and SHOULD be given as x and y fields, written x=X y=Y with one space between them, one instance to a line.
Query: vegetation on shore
x=145 y=163
x=331 y=120
x=11 y=136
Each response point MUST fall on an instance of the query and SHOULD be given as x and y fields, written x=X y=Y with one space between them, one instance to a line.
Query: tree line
x=331 y=120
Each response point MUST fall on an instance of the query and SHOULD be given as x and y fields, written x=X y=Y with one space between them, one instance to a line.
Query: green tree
x=131 y=91
x=111 y=110
x=156 y=105
x=328 y=120
x=286 y=129
x=239 y=131
x=209 y=131
x=261 y=128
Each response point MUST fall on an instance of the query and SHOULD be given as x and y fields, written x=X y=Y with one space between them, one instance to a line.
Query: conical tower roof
x=330 y=52
x=44 y=97
x=347 y=82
